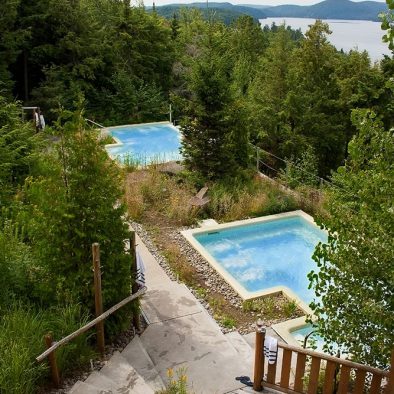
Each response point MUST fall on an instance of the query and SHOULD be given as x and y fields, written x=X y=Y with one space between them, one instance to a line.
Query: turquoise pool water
x=314 y=341
x=146 y=143
x=267 y=254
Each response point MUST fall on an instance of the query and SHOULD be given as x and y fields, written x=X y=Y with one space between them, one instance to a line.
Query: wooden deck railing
x=294 y=373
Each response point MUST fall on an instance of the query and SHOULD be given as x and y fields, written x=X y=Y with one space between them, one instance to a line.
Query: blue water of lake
x=346 y=34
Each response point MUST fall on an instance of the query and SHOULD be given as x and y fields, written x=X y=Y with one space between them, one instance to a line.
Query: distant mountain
x=226 y=12
x=329 y=9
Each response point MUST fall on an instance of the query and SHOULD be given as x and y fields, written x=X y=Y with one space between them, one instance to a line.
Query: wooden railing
x=138 y=289
x=323 y=373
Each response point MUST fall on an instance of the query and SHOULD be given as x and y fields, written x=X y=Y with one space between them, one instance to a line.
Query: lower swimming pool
x=145 y=143
x=263 y=256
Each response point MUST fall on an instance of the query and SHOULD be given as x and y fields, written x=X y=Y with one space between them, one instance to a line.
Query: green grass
x=21 y=340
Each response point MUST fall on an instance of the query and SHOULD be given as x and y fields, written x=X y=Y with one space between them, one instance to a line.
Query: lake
x=346 y=34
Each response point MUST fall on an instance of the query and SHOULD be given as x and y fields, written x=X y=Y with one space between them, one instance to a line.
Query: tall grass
x=151 y=190
x=21 y=340
x=248 y=198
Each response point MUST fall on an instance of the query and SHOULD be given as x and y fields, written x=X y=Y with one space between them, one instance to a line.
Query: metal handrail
x=92 y=323
x=95 y=123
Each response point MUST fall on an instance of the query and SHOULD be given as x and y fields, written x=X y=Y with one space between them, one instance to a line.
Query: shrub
x=150 y=190
x=302 y=171
x=16 y=264
x=290 y=308
x=21 y=341
x=73 y=203
x=176 y=385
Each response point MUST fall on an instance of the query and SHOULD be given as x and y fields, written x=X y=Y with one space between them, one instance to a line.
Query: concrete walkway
x=181 y=335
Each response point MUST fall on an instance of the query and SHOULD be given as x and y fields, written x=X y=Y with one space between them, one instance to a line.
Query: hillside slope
x=331 y=9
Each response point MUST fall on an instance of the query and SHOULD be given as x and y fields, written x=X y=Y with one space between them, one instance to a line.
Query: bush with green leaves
x=74 y=202
x=16 y=265
x=18 y=144
x=355 y=280
x=302 y=171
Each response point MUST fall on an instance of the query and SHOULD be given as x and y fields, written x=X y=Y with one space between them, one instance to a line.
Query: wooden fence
x=294 y=373
x=138 y=289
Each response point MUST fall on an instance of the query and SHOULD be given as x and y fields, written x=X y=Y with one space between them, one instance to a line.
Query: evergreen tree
x=212 y=133
x=267 y=98
x=18 y=149
x=75 y=202
x=311 y=104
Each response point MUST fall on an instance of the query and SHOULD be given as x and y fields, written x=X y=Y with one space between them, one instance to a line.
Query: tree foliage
x=18 y=146
x=73 y=203
x=355 y=281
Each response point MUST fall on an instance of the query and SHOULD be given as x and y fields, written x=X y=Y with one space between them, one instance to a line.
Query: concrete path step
x=99 y=380
x=193 y=342
x=138 y=357
x=123 y=378
x=241 y=346
x=84 y=388
x=168 y=302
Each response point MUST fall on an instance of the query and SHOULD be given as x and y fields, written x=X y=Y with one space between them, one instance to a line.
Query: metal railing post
x=259 y=357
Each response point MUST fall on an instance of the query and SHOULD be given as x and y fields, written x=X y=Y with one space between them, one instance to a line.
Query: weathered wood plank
x=271 y=373
x=285 y=372
x=300 y=371
x=360 y=382
x=343 y=386
x=329 y=383
x=375 y=384
x=314 y=375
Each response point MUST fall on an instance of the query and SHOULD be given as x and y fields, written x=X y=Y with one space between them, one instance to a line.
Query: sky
x=261 y=2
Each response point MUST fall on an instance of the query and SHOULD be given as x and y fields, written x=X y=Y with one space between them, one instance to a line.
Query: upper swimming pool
x=145 y=143
x=265 y=255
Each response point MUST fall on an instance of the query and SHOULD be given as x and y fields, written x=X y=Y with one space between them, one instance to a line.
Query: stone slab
x=208 y=223
x=99 y=380
x=169 y=302
x=154 y=274
x=242 y=347
x=138 y=357
x=193 y=342
x=84 y=388
x=126 y=379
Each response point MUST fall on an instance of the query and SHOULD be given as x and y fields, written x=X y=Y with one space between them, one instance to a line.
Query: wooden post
x=259 y=357
x=390 y=379
x=52 y=361
x=98 y=300
x=134 y=287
